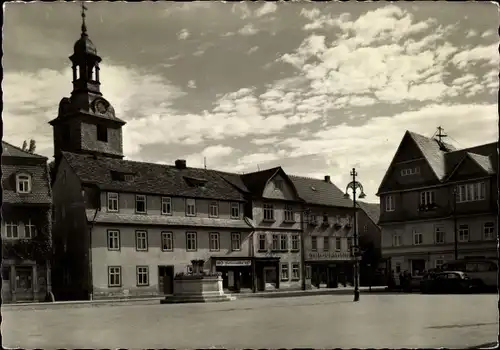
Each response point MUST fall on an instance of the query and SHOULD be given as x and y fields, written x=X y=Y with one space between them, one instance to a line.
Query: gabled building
x=125 y=228
x=26 y=226
x=328 y=232
x=433 y=193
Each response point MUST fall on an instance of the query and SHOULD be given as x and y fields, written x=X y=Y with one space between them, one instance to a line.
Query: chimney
x=180 y=164
x=327 y=178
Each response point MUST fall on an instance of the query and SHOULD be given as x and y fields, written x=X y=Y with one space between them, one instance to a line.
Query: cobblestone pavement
x=377 y=321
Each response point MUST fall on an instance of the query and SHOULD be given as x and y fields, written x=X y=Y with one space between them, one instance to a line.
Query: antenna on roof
x=258 y=168
x=205 y=162
x=440 y=135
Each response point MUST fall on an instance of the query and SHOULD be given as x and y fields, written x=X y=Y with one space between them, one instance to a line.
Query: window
x=268 y=212
x=284 y=272
x=141 y=240
x=389 y=203
x=396 y=240
x=438 y=263
x=289 y=213
x=338 y=243
x=191 y=245
x=142 y=276
x=295 y=271
x=314 y=243
x=214 y=241
x=140 y=203
x=102 y=133
x=11 y=230
x=326 y=244
x=489 y=230
x=235 y=210
x=417 y=237
x=114 y=276
x=276 y=242
x=283 y=242
x=350 y=243
x=29 y=230
x=365 y=228
x=471 y=192
x=166 y=205
x=398 y=267
x=463 y=233
x=278 y=184
x=427 y=198
x=23 y=183
x=113 y=201
x=295 y=242
x=439 y=234
x=113 y=240
x=167 y=241
x=410 y=171
x=262 y=242
x=235 y=241
x=213 y=210
x=190 y=207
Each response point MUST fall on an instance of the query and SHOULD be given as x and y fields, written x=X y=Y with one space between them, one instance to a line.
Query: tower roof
x=84 y=45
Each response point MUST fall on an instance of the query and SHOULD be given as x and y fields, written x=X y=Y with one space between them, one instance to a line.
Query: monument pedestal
x=197 y=289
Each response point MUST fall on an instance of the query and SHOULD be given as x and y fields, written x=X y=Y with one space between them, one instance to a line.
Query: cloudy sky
x=314 y=87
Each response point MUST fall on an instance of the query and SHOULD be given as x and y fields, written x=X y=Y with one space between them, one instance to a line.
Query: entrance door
x=24 y=282
x=417 y=267
x=166 y=279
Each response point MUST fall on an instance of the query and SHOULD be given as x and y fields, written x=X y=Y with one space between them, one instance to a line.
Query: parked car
x=450 y=282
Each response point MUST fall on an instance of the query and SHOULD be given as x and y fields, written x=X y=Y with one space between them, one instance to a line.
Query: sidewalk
x=156 y=300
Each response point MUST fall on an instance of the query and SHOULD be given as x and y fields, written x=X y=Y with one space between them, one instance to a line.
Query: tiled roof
x=256 y=182
x=151 y=178
x=433 y=152
x=9 y=150
x=138 y=219
x=371 y=209
x=319 y=192
x=234 y=179
x=483 y=161
x=40 y=185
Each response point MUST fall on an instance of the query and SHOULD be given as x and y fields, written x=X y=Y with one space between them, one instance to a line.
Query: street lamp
x=354 y=186
x=455 y=231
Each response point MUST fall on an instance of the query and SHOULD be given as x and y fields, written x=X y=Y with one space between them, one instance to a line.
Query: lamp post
x=305 y=214
x=455 y=231
x=354 y=186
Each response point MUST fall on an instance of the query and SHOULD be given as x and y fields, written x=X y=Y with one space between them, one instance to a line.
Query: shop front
x=236 y=272
x=330 y=269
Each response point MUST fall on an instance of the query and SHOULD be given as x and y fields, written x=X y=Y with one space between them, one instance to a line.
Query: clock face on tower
x=101 y=106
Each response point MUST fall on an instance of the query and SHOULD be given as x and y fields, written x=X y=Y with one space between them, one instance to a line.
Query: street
x=377 y=321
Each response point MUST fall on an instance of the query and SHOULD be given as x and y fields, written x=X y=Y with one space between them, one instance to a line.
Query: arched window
x=23 y=183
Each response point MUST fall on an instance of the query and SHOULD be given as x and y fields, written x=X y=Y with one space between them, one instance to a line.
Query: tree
x=32 y=146
x=25 y=145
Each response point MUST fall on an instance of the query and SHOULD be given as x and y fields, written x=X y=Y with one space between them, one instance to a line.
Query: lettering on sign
x=329 y=255
x=233 y=263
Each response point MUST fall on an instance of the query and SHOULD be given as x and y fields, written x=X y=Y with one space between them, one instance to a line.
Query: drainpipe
x=252 y=252
x=91 y=226
x=302 y=246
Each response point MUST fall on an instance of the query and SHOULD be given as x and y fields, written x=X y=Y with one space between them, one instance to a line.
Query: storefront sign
x=329 y=256
x=233 y=263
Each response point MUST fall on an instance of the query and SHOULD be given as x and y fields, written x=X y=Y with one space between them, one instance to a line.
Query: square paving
x=328 y=321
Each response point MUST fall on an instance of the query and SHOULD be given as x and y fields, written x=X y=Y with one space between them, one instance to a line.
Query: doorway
x=417 y=267
x=166 y=279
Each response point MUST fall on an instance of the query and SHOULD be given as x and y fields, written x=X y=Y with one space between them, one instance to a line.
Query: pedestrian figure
x=401 y=281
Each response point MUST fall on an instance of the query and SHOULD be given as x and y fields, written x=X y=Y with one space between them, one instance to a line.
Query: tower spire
x=84 y=26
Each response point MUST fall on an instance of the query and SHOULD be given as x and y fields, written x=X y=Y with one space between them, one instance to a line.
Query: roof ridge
x=20 y=149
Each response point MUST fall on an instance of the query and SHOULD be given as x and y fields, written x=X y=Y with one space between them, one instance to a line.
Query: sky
x=317 y=88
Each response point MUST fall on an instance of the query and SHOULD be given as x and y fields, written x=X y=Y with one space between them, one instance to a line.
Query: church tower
x=86 y=121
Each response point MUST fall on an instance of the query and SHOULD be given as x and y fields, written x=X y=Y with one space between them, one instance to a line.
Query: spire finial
x=84 y=27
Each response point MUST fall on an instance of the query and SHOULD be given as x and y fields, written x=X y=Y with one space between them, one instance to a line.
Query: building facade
x=26 y=226
x=328 y=232
x=433 y=195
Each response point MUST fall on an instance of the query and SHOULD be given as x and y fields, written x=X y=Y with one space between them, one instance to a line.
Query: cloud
x=248 y=29
x=487 y=33
x=183 y=34
x=252 y=50
x=471 y=33
x=488 y=53
x=242 y=10
x=191 y=84
x=267 y=141
x=268 y=7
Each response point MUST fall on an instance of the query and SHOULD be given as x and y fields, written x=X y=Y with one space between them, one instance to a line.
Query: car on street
x=449 y=282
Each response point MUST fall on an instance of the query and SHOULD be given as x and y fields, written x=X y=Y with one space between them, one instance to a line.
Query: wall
x=279 y=215
x=368 y=230
x=271 y=191
x=128 y=258
x=89 y=139
x=127 y=206
x=71 y=230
